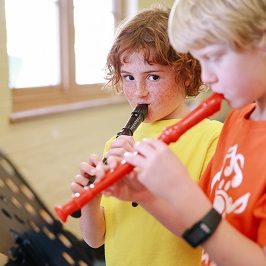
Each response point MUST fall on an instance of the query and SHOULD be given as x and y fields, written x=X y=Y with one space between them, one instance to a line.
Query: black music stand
x=29 y=234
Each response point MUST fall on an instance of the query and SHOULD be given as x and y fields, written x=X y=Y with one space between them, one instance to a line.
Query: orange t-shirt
x=235 y=180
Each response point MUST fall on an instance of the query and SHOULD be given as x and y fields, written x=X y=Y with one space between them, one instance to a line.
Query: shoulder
x=210 y=127
x=207 y=131
x=208 y=123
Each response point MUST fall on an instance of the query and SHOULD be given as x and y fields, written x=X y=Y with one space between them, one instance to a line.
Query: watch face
x=205 y=228
x=198 y=234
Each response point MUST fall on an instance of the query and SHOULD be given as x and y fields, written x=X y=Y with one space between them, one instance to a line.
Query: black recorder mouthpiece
x=137 y=116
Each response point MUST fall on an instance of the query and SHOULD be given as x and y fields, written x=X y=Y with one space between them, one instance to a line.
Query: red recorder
x=171 y=134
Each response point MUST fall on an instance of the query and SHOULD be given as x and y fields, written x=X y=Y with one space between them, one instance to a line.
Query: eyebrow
x=146 y=72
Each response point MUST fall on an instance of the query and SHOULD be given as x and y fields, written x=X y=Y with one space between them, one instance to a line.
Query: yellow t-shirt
x=133 y=237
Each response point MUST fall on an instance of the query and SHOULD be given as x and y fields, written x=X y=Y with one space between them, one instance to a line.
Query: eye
x=128 y=77
x=153 y=77
x=211 y=58
x=214 y=56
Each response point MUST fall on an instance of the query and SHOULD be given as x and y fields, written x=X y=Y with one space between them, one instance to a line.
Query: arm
x=162 y=173
x=92 y=224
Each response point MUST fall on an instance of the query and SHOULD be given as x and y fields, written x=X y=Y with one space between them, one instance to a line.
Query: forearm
x=164 y=213
x=92 y=224
x=226 y=246
x=229 y=247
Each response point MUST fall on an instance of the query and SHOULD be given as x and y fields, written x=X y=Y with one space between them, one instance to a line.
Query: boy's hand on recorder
x=159 y=169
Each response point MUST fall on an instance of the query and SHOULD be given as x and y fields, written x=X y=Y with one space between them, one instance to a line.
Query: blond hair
x=196 y=23
x=147 y=32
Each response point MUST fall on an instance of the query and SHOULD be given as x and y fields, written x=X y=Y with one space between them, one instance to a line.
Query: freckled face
x=151 y=84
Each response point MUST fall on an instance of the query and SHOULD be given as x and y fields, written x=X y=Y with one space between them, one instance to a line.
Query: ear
x=188 y=79
x=187 y=83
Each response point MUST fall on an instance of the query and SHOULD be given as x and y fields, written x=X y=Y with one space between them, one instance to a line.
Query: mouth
x=143 y=104
x=142 y=109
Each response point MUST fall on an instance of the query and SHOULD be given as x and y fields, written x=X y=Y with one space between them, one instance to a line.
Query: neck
x=260 y=111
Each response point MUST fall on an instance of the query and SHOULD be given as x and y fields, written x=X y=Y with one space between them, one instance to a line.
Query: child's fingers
x=93 y=159
x=148 y=146
x=79 y=183
x=113 y=161
x=135 y=159
x=100 y=171
x=126 y=142
x=120 y=146
x=118 y=152
x=86 y=169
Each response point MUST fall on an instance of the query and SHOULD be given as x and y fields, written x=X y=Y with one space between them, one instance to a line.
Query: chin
x=150 y=119
x=237 y=105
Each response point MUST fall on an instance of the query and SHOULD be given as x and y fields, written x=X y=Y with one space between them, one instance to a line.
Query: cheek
x=167 y=101
x=129 y=93
x=233 y=84
x=168 y=95
x=233 y=75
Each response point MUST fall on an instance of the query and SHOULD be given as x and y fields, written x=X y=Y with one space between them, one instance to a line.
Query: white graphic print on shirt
x=230 y=177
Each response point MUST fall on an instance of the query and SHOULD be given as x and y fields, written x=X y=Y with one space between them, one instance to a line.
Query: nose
x=141 y=89
x=208 y=76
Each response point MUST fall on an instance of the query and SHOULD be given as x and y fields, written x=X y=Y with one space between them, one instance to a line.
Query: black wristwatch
x=203 y=229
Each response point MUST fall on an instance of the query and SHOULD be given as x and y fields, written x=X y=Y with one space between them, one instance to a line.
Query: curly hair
x=147 y=33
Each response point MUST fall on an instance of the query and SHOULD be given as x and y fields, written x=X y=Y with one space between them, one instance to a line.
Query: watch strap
x=203 y=229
